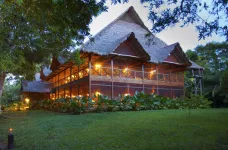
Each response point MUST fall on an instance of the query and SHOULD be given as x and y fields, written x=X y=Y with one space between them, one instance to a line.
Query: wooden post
x=112 y=78
x=58 y=85
x=78 y=84
x=171 y=90
x=157 y=79
x=70 y=81
x=143 y=76
x=90 y=94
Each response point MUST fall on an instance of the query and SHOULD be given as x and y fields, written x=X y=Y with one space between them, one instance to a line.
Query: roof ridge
x=131 y=8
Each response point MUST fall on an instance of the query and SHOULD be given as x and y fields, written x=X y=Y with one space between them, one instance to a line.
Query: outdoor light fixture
x=80 y=74
x=97 y=93
x=27 y=100
x=10 y=139
x=97 y=66
x=10 y=131
x=152 y=72
x=152 y=91
x=126 y=94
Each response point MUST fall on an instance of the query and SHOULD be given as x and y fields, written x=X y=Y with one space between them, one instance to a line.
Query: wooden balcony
x=138 y=77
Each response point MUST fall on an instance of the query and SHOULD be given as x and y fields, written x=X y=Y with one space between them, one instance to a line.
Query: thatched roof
x=111 y=36
x=36 y=86
x=195 y=66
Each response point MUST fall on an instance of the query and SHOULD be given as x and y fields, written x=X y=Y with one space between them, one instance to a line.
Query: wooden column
x=90 y=94
x=157 y=79
x=77 y=83
x=171 y=90
x=58 y=85
x=70 y=81
x=112 y=78
x=143 y=76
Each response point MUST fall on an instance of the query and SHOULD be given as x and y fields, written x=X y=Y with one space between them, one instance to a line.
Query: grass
x=160 y=129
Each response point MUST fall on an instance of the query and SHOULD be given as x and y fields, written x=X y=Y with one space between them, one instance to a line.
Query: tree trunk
x=2 y=79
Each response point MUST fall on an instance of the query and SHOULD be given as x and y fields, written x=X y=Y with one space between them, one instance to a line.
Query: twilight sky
x=186 y=36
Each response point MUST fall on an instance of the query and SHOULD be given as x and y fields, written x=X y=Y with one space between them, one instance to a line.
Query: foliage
x=139 y=101
x=213 y=57
x=224 y=80
x=208 y=16
x=11 y=92
x=34 y=31
x=15 y=106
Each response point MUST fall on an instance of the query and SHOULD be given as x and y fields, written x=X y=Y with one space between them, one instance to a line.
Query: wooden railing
x=74 y=76
x=124 y=74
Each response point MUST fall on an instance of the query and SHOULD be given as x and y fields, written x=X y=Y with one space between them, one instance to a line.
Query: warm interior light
x=152 y=72
x=152 y=91
x=126 y=94
x=87 y=70
x=97 y=93
x=97 y=66
x=80 y=74
x=27 y=100
x=72 y=76
x=80 y=95
x=68 y=78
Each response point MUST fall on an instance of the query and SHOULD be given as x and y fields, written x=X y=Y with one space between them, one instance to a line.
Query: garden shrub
x=139 y=101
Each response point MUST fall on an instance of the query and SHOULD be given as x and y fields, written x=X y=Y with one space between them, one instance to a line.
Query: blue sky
x=186 y=36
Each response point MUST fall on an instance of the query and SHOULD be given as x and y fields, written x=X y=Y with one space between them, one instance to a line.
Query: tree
x=214 y=58
x=208 y=16
x=224 y=82
x=31 y=31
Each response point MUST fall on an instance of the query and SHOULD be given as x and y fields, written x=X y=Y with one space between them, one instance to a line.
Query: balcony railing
x=127 y=74
x=122 y=75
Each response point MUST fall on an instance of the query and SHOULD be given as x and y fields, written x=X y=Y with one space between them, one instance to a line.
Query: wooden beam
x=70 y=81
x=90 y=92
x=112 y=78
x=157 y=79
x=143 y=76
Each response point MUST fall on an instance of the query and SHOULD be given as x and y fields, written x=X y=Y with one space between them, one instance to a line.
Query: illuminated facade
x=120 y=60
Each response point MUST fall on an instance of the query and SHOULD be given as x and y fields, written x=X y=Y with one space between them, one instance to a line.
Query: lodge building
x=123 y=58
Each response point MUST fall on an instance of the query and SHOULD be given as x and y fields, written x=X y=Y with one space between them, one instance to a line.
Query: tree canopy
x=214 y=58
x=208 y=16
x=32 y=31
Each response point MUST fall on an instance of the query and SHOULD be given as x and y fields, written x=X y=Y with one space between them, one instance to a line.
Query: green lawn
x=159 y=129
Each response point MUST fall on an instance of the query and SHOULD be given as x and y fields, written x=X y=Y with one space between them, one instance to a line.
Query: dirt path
x=3 y=146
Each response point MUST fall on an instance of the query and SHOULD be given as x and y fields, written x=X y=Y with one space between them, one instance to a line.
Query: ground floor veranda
x=117 y=76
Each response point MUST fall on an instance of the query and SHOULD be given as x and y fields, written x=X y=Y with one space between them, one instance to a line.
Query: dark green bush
x=139 y=101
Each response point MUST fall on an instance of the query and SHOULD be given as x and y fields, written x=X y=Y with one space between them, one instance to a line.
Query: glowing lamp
x=97 y=93
x=152 y=72
x=27 y=100
x=126 y=94
x=10 y=131
x=80 y=74
x=97 y=66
